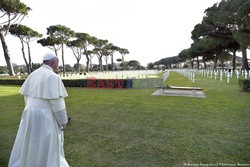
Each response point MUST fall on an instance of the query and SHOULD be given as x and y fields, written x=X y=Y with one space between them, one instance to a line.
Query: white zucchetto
x=48 y=56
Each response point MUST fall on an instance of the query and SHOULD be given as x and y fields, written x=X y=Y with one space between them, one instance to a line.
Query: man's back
x=39 y=140
x=43 y=83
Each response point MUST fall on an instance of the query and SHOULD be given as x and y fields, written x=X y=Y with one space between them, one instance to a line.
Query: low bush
x=3 y=70
x=244 y=84
x=12 y=81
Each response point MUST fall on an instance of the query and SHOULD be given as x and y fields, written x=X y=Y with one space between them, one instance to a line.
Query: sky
x=149 y=29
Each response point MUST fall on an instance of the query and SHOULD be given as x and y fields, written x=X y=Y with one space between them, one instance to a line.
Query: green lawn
x=130 y=127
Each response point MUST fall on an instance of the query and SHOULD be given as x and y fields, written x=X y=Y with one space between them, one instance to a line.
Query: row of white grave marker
x=213 y=74
x=187 y=73
x=219 y=73
x=140 y=74
x=190 y=74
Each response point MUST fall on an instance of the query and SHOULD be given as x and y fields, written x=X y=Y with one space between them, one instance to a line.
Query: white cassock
x=39 y=140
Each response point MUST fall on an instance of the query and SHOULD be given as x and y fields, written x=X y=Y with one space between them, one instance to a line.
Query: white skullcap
x=48 y=56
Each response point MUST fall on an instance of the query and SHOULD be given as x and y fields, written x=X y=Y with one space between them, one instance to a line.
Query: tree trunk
x=123 y=62
x=78 y=65
x=215 y=61
x=234 y=60
x=87 y=63
x=63 y=60
x=204 y=62
x=192 y=63
x=112 y=61
x=90 y=60
x=25 y=60
x=30 y=62
x=222 y=65
x=244 y=60
x=55 y=51
x=6 y=54
x=107 y=68
x=100 y=63
x=198 y=63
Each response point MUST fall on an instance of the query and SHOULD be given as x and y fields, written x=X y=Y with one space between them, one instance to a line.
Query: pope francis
x=39 y=140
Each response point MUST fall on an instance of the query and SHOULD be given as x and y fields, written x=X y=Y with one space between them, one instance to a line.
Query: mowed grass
x=130 y=127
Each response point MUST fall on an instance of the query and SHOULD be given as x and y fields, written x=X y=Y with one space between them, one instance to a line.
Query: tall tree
x=241 y=32
x=106 y=55
x=233 y=15
x=63 y=34
x=26 y=35
x=150 y=65
x=88 y=40
x=209 y=45
x=77 y=49
x=215 y=31
x=11 y=11
x=224 y=56
x=188 y=54
x=125 y=65
x=169 y=61
x=134 y=64
x=100 y=49
x=233 y=47
x=52 y=43
x=91 y=54
x=112 y=49
x=123 y=52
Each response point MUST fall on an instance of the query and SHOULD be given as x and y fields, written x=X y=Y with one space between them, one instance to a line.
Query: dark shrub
x=244 y=84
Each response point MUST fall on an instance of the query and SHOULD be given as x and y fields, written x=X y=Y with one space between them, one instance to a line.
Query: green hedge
x=12 y=81
x=89 y=83
x=98 y=83
x=244 y=84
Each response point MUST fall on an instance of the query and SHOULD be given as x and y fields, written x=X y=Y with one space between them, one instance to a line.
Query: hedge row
x=12 y=81
x=244 y=84
x=89 y=83
x=99 y=83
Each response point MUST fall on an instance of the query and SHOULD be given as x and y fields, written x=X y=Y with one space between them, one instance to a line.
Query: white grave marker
x=237 y=73
x=221 y=75
x=228 y=77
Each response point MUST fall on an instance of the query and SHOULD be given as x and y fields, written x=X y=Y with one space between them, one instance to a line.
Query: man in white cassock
x=39 y=140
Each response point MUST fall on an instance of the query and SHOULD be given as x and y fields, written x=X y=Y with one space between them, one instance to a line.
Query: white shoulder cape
x=43 y=83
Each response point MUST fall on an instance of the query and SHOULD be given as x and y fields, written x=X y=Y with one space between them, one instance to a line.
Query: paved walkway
x=174 y=92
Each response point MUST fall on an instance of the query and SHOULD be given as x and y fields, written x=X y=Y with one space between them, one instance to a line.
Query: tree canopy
x=11 y=11
x=225 y=27
x=26 y=35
